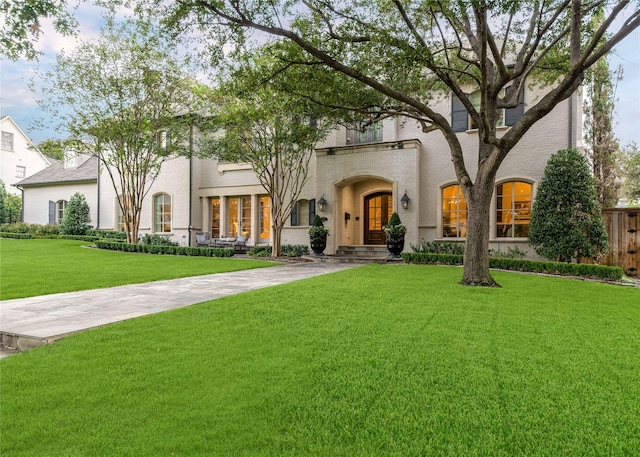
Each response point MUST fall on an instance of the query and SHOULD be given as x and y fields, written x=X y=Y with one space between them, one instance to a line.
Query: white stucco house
x=20 y=157
x=360 y=177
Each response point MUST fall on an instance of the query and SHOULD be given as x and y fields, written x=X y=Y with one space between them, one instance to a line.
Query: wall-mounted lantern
x=322 y=204
x=404 y=201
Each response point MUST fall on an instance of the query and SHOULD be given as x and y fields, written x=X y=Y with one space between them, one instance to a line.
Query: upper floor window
x=461 y=120
x=365 y=133
x=161 y=138
x=454 y=212
x=475 y=99
x=513 y=209
x=7 y=141
x=162 y=213
x=70 y=159
x=21 y=171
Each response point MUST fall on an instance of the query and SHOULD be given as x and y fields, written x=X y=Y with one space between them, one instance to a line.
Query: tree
x=631 y=186
x=10 y=206
x=406 y=55
x=21 y=25
x=602 y=147
x=273 y=132
x=56 y=148
x=126 y=99
x=566 y=219
x=76 y=216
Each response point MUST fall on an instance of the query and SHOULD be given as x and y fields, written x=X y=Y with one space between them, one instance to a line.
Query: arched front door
x=377 y=212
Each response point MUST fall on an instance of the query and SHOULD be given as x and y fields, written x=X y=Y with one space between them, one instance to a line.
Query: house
x=20 y=157
x=45 y=194
x=356 y=180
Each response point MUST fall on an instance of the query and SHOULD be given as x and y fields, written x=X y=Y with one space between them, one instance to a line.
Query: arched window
x=454 y=212
x=162 y=213
x=513 y=209
x=61 y=206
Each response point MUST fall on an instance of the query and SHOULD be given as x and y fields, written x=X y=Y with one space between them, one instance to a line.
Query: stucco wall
x=36 y=200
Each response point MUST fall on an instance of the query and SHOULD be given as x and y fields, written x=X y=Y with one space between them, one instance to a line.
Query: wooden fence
x=623 y=227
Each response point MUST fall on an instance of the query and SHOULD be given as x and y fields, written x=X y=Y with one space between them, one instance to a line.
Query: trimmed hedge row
x=175 y=250
x=79 y=237
x=17 y=235
x=107 y=234
x=531 y=266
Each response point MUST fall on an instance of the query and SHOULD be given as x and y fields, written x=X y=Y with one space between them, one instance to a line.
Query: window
x=21 y=171
x=265 y=218
x=513 y=209
x=454 y=212
x=365 y=133
x=461 y=121
x=70 y=158
x=61 y=206
x=7 y=141
x=303 y=212
x=161 y=139
x=215 y=218
x=474 y=98
x=239 y=221
x=162 y=213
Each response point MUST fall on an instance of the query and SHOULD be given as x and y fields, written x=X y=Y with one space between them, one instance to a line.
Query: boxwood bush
x=175 y=250
x=17 y=235
x=532 y=266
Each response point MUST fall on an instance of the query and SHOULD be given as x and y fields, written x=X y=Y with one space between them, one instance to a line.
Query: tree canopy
x=129 y=100
x=22 y=25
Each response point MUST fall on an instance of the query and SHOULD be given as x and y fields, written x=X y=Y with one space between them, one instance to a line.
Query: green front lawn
x=38 y=267
x=376 y=361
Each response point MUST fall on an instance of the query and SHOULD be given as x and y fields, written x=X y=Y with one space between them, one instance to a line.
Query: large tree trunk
x=476 y=257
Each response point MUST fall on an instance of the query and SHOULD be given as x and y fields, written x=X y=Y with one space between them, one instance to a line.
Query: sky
x=17 y=101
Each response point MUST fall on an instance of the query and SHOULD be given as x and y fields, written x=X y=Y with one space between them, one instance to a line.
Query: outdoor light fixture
x=322 y=203
x=405 y=200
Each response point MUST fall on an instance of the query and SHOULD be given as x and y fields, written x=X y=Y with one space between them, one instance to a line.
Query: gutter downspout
x=571 y=121
x=98 y=198
x=190 y=178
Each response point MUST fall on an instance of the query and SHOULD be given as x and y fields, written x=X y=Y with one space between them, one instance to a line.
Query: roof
x=57 y=174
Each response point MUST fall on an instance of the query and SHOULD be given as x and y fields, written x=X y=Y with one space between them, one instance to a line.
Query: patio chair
x=202 y=239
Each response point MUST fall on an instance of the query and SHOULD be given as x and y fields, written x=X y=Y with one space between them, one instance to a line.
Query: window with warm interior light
x=162 y=213
x=265 y=217
x=513 y=209
x=215 y=218
x=454 y=212
x=239 y=216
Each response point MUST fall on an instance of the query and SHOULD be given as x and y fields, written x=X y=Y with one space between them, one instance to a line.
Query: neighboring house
x=45 y=195
x=356 y=180
x=20 y=157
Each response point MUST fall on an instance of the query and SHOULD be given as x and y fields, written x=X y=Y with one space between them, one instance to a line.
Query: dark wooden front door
x=377 y=211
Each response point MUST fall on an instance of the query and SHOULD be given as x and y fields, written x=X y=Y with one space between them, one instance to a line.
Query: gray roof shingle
x=57 y=174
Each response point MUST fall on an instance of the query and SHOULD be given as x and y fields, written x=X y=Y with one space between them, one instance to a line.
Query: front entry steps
x=357 y=254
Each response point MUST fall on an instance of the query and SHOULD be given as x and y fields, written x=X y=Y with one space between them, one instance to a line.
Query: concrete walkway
x=29 y=322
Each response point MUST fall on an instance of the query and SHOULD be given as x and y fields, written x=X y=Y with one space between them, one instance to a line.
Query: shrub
x=16 y=235
x=317 y=227
x=294 y=250
x=164 y=249
x=157 y=240
x=260 y=251
x=440 y=247
x=532 y=266
x=108 y=234
x=566 y=221
x=76 y=216
x=513 y=252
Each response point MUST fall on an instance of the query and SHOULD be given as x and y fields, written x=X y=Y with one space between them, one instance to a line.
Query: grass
x=37 y=267
x=375 y=361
